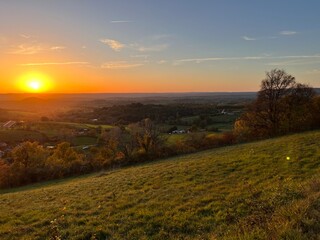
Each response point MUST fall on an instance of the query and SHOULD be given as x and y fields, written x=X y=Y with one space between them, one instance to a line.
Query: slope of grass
x=262 y=190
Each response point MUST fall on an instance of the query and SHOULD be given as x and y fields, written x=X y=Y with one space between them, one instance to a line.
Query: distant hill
x=263 y=190
x=33 y=100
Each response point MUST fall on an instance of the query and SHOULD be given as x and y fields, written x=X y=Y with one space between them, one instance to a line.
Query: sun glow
x=34 y=83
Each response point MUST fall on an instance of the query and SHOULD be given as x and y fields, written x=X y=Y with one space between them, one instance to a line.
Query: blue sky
x=161 y=46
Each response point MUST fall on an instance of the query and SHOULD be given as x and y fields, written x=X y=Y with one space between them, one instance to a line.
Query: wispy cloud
x=248 y=38
x=26 y=49
x=30 y=49
x=25 y=36
x=53 y=63
x=120 y=65
x=140 y=56
x=113 y=44
x=288 y=33
x=283 y=33
x=245 y=58
x=209 y=59
x=302 y=61
x=57 y=48
x=118 y=46
x=121 y=21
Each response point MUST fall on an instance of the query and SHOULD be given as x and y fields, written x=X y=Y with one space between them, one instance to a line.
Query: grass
x=248 y=191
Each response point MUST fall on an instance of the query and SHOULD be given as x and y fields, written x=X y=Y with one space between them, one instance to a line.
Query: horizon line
x=186 y=92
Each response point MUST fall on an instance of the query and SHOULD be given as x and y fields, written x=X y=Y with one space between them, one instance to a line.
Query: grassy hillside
x=262 y=190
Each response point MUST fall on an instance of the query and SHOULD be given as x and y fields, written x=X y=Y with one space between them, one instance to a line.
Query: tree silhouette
x=282 y=106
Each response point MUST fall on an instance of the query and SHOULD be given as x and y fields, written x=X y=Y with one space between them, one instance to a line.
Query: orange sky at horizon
x=87 y=79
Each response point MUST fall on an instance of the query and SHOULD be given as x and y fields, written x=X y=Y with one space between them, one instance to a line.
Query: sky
x=88 y=46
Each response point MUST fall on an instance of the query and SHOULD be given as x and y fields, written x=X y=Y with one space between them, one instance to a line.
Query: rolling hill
x=263 y=190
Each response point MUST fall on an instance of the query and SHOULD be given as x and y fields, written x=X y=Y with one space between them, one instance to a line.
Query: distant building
x=178 y=132
x=9 y=124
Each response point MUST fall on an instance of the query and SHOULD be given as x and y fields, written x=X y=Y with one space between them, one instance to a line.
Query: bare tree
x=277 y=85
x=147 y=136
x=282 y=106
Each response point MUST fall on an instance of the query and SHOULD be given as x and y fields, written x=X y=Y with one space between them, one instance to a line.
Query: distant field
x=82 y=140
x=15 y=135
x=69 y=124
x=18 y=115
x=221 y=122
x=264 y=190
x=62 y=129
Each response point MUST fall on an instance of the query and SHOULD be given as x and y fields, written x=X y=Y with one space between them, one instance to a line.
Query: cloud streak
x=295 y=62
x=245 y=58
x=25 y=36
x=118 y=46
x=288 y=33
x=25 y=49
x=248 y=38
x=31 y=49
x=113 y=44
x=57 y=48
x=53 y=63
x=120 y=65
x=121 y=21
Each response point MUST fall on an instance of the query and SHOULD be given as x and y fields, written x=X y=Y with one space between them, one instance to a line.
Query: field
x=263 y=190
x=19 y=135
x=43 y=131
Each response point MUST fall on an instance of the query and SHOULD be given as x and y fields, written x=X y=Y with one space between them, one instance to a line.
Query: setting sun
x=34 y=83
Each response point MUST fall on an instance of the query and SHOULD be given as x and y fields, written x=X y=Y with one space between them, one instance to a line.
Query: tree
x=277 y=85
x=28 y=163
x=4 y=174
x=147 y=136
x=282 y=106
x=65 y=161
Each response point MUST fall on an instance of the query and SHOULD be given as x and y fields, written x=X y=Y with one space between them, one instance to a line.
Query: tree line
x=30 y=162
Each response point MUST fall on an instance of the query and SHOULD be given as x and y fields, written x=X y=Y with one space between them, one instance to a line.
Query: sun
x=34 y=83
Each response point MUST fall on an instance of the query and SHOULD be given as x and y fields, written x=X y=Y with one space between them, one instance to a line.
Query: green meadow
x=263 y=190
